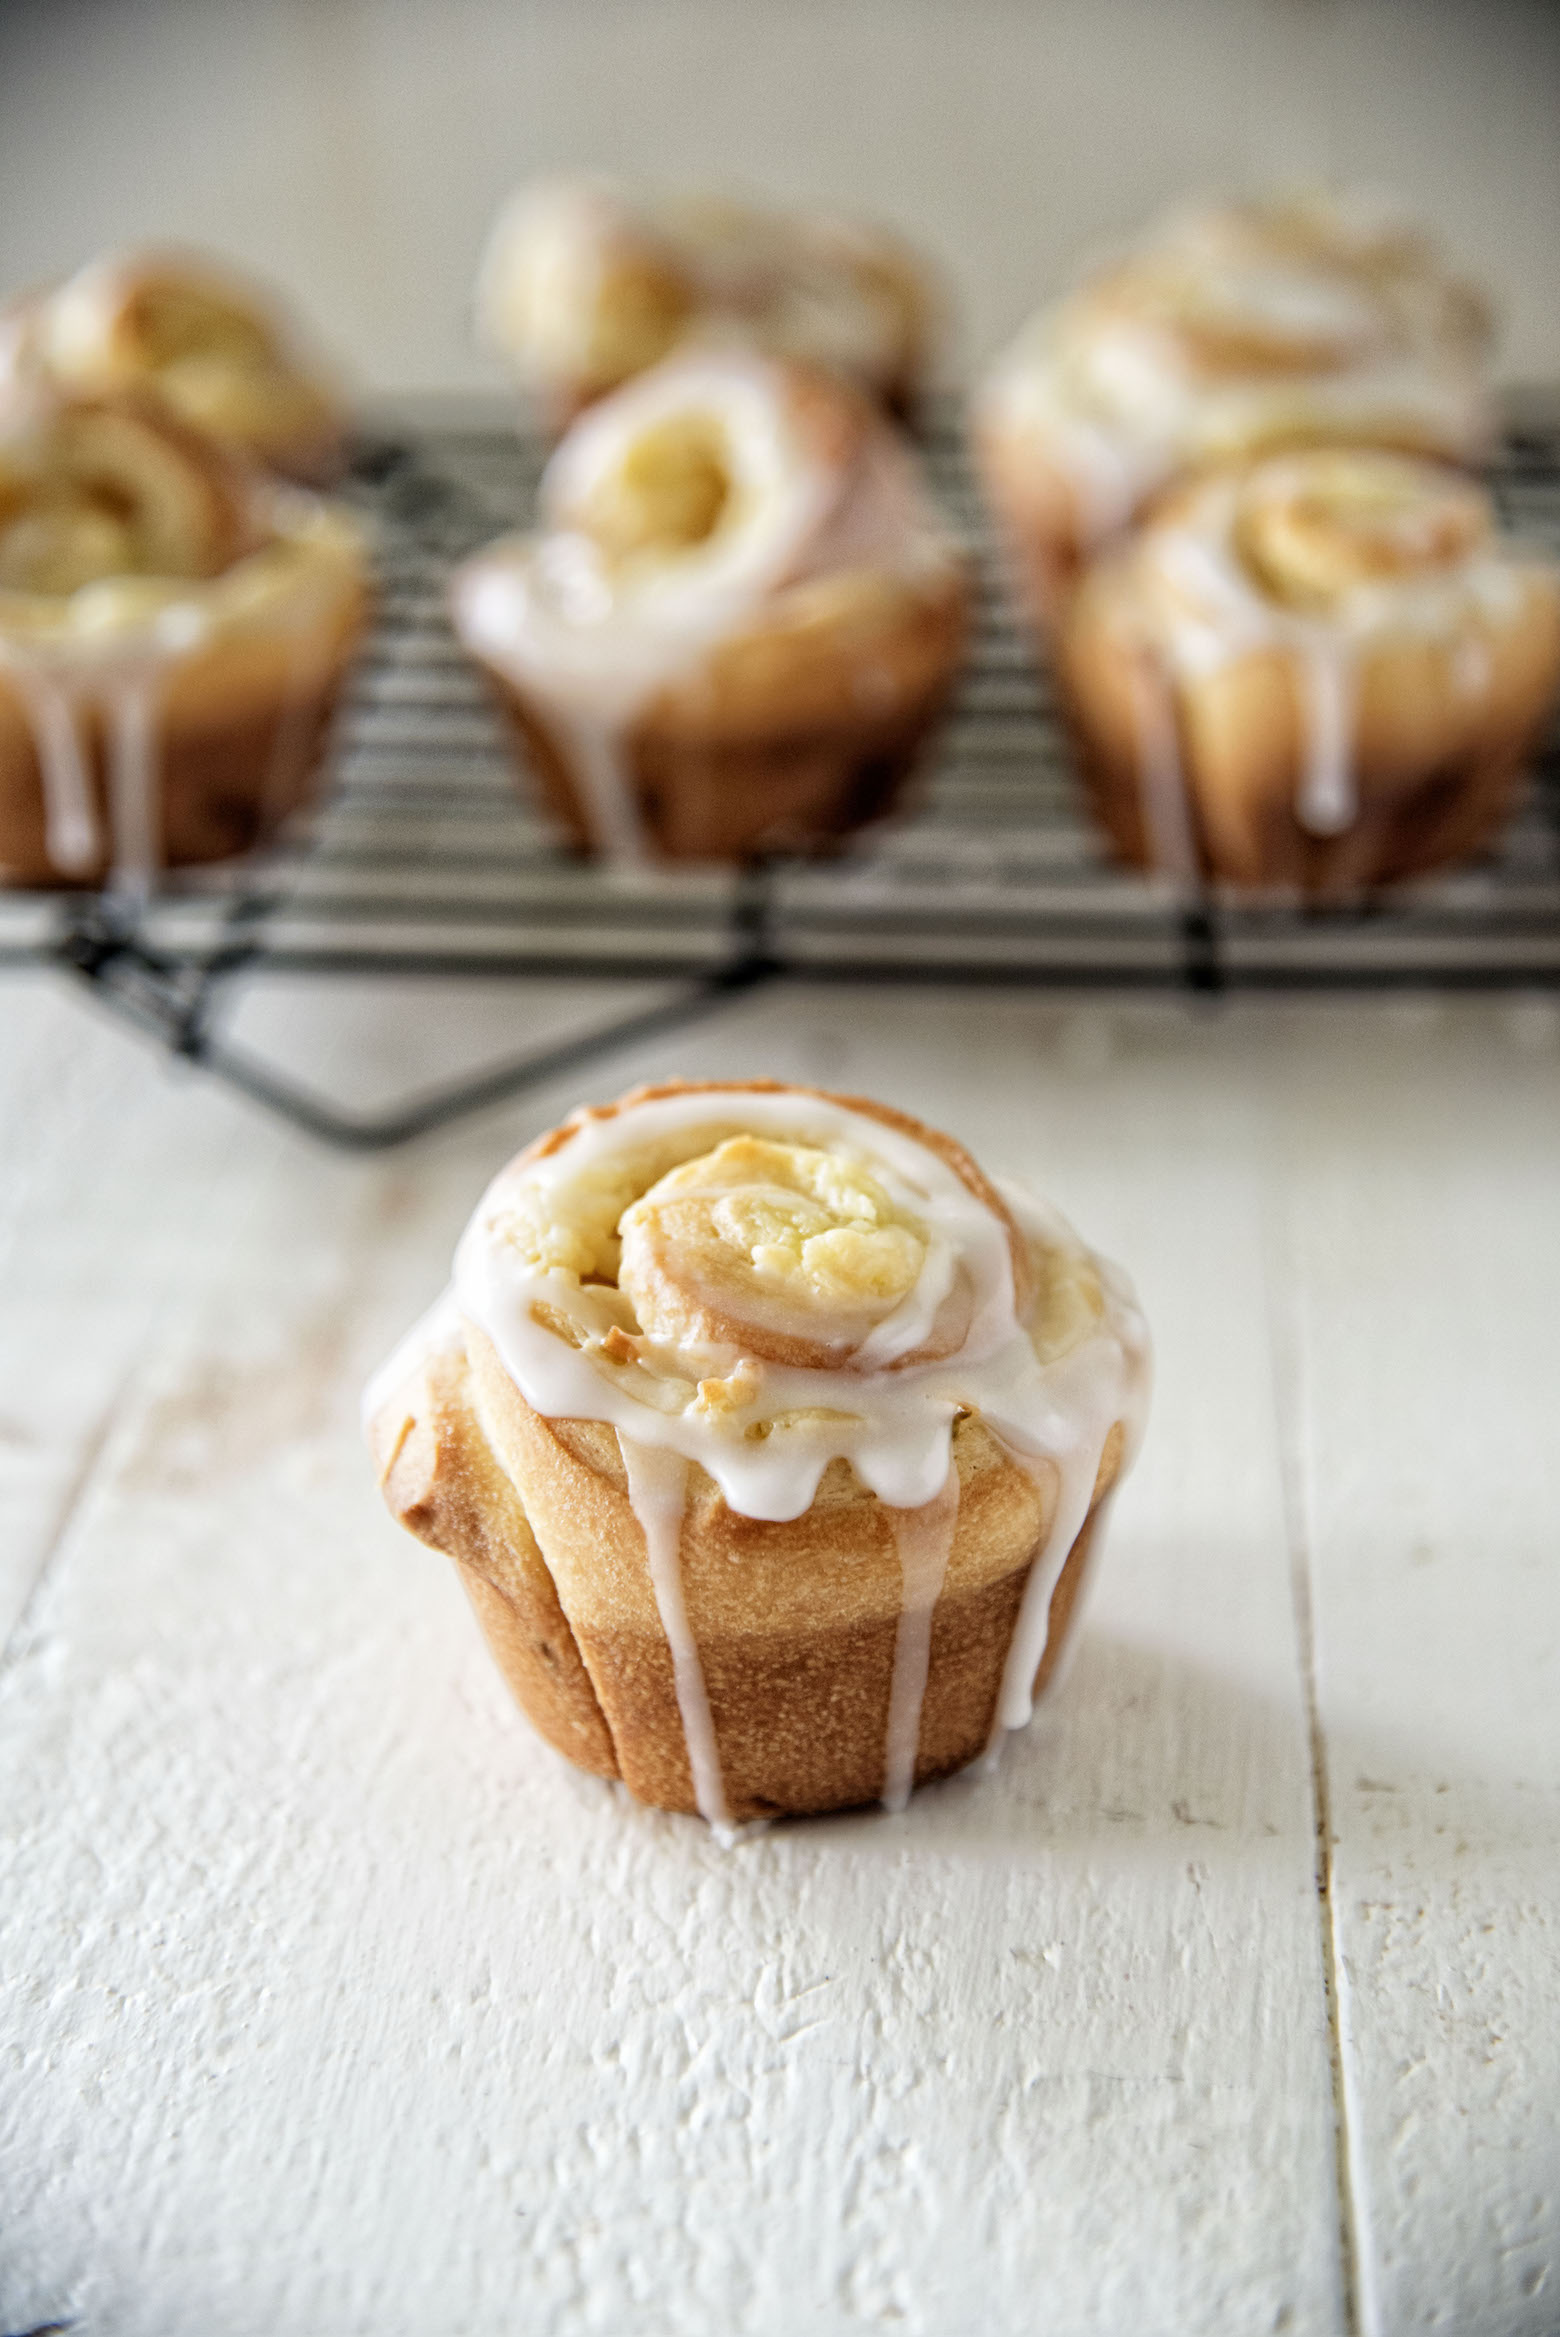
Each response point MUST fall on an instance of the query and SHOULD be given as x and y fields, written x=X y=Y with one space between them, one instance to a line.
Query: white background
x=356 y=148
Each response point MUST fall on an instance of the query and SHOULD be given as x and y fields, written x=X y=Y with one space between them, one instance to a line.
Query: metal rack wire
x=424 y=858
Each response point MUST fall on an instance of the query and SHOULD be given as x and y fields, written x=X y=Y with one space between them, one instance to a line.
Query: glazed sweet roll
x=582 y=286
x=1217 y=345
x=738 y=619
x=1324 y=671
x=186 y=330
x=1366 y=235
x=772 y=1439
x=172 y=640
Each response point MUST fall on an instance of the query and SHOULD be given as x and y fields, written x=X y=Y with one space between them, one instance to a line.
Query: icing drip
x=1161 y=778
x=1329 y=794
x=70 y=817
x=133 y=790
x=1103 y=1380
x=657 y=1492
x=924 y=1538
x=610 y=802
x=96 y=660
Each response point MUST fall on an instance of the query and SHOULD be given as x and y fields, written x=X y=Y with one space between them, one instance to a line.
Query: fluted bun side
x=172 y=636
x=737 y=622
x=1324 y=670
x=183 y=330
x=1225 y=335
x=807 y=1421
x=583 y=285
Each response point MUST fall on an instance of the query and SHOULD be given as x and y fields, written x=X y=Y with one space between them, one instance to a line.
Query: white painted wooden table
x=334 y=2003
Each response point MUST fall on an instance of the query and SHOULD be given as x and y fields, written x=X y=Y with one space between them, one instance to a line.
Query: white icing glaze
x=590 y=643
x=1329 y=799
x=924 y=1540
x=657 y=1492
x=892 y=1420
x=76 y=322
x=539 y=278
x=134 y=793
x=1165 y=803
x=70 y=814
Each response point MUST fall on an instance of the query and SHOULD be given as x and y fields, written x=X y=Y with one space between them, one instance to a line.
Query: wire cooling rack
x=424 y=856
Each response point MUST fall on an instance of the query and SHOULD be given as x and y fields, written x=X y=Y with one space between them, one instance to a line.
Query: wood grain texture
x=1423 y=1267
x=330 y=1998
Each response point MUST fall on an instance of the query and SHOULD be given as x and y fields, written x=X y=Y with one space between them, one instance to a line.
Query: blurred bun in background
x=174 y=632
x=1323 y=670
x=1223 y=333
x=357 y=151
x=582 y=286
x=187 y=330
x=738 y=620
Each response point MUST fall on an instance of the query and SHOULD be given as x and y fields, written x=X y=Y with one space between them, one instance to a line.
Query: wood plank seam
x=1289 y=1396
x=82 y=1479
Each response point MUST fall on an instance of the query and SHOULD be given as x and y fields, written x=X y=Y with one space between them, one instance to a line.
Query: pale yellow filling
x=711 y=1221
x=671 y=492
x=1313 y=532
x=761 y=1219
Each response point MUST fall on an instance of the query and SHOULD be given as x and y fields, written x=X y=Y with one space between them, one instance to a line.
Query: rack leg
x=377 y=1132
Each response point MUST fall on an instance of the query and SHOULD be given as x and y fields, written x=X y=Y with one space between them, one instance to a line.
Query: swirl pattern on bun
x=737 y=621
x=582 y=286
x=1230 y=335
x=180 y=328
x=810 y=1426
x=172 y=638
x=1324 y=670
x=1367 y=237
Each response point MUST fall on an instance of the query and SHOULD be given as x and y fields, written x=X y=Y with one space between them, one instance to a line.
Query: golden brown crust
x=441 y=1482
x=1436 y=768
x=787 y=738
x=795 y=1623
